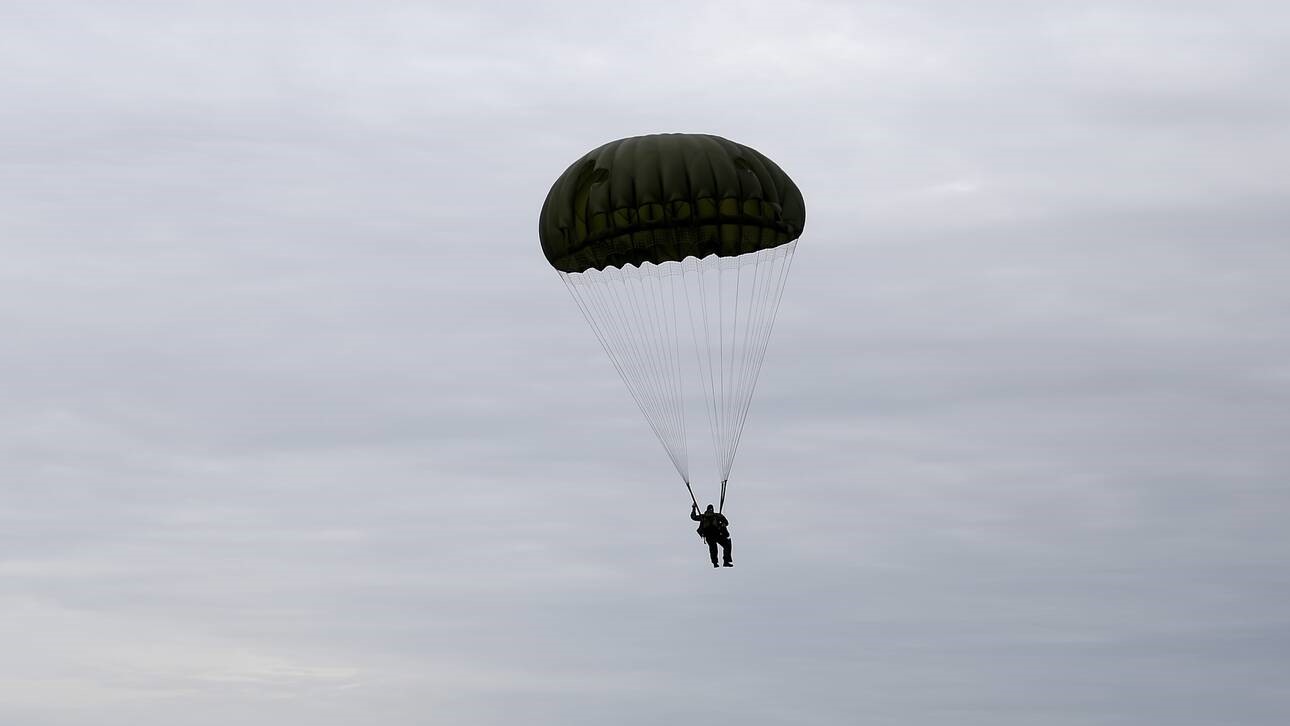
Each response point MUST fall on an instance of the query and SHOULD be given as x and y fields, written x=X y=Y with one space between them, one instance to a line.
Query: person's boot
x=730 y=564
x=714 y=564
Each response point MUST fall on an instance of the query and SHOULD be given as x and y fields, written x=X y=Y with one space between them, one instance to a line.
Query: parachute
x=676 y=247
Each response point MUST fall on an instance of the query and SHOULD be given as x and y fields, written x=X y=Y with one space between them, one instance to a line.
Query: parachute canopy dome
x=667 y=197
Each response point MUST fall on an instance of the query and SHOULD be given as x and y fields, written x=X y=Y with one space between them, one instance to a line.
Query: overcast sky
x=298 y=427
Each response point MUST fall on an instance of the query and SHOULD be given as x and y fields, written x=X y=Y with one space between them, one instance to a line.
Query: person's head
x=709 y=510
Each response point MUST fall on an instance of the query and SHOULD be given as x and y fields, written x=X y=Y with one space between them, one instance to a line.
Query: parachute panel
x=664 y=198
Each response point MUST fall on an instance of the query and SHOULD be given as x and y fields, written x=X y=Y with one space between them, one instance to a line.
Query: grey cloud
x=297 y=427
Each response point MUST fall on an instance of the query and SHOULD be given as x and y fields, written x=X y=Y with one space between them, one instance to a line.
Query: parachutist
x=714 y=529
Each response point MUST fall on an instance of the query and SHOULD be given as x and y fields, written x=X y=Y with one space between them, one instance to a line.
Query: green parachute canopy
x=664 y=198
x=672 y=239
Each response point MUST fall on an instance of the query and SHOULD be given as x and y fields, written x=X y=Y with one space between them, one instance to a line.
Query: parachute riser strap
x=696 y=501
x=722 y=504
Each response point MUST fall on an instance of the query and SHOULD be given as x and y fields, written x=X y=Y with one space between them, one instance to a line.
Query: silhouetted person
x=714 y=528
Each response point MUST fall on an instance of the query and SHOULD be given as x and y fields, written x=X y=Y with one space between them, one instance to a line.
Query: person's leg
x=725 y=546
x=712 y=550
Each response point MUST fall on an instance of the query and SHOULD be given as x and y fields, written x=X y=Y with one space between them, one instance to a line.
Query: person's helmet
x=709 y=508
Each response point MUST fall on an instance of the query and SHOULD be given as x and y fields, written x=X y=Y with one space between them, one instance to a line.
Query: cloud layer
x=296 y=426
